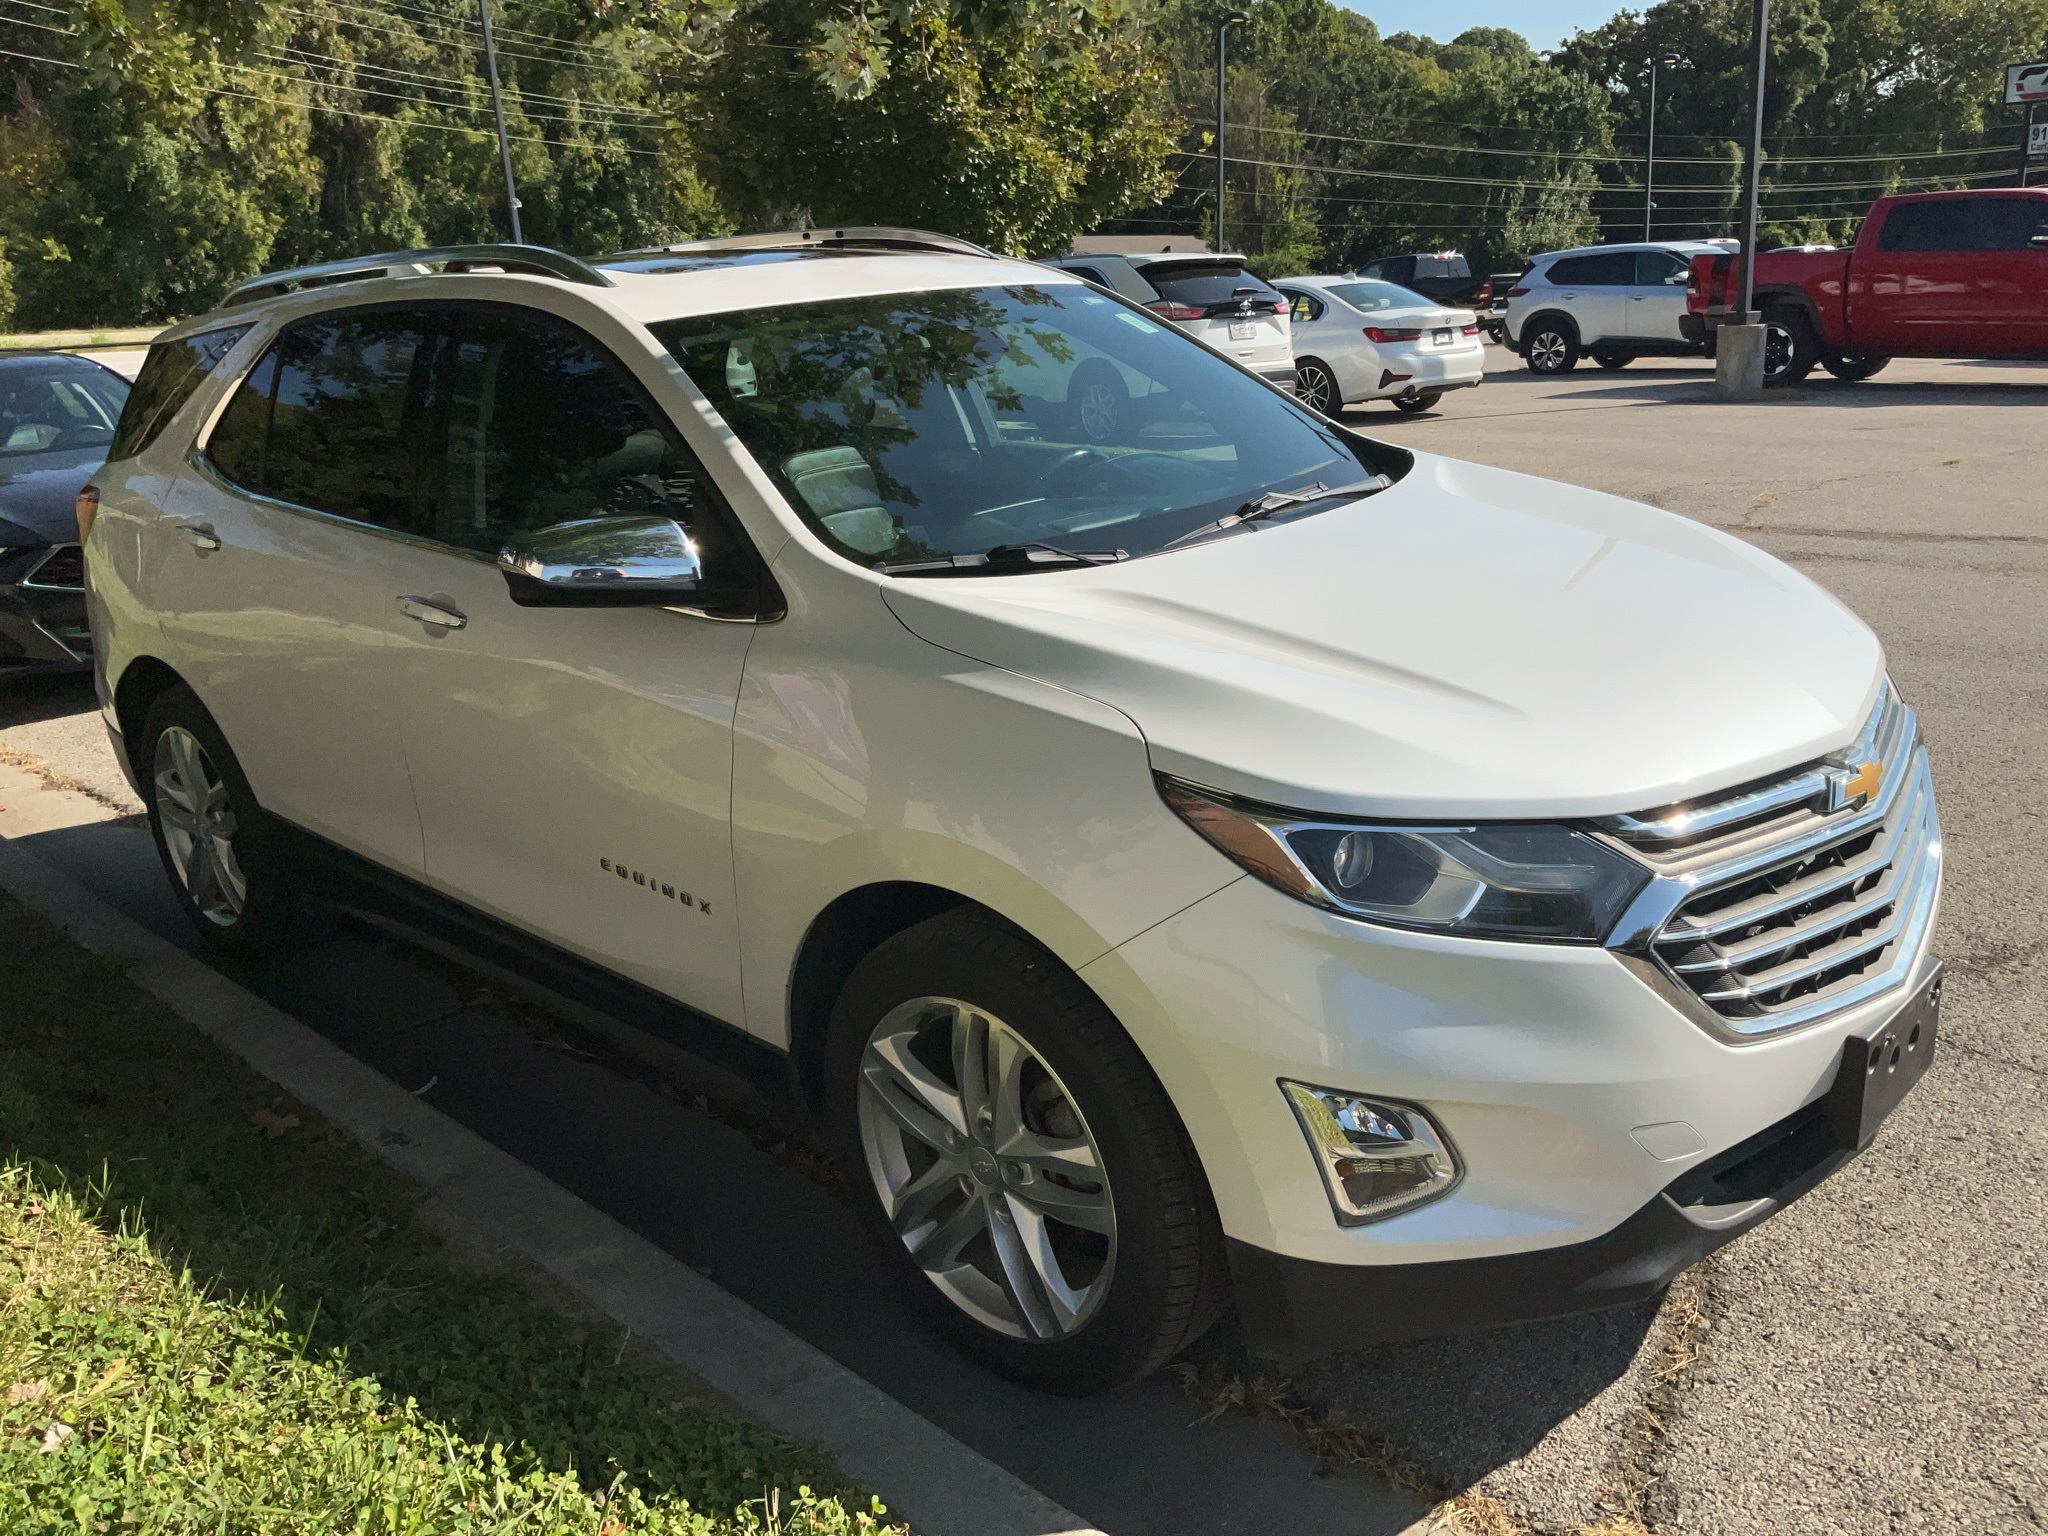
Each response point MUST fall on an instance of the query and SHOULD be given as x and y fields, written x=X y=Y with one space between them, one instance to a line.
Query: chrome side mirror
x=602 y=562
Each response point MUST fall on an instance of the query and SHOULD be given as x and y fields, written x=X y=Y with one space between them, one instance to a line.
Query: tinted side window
x=1659 y=267
x=1568 y=271
x=2011 y=224
x=235 y=447
x=1938 y=226
x=171 y=372
x=343 y=428
x=538 y=426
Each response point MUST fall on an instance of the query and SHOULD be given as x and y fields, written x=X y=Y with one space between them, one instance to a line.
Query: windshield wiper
x=1279 y=501
x=1003 y=559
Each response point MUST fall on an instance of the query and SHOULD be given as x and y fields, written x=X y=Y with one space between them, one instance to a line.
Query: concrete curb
x=924 y=1475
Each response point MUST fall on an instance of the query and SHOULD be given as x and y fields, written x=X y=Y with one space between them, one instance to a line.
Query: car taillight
x=1517 y=291
x=1377 y=333
x=1167 y=309
x=1280 y=306
x=1471 y=330
x=87 y=506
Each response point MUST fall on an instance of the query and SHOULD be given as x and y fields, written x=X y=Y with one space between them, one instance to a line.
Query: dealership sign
x=2025 y=84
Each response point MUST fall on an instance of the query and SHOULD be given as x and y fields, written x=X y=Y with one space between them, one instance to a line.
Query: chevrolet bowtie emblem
x=1855 y=786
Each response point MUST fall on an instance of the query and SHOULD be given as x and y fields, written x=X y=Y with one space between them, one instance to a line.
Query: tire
x=1135 y=1275
x=219 y=849
x=1854 y=367
x=1790 y=347
x=1315 y=385
x=1414 y=405
x=1613 y=362
x=1101 y=402
x=1550 y=345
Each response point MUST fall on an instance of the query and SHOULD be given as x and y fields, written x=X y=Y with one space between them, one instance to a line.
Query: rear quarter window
x=170 y=374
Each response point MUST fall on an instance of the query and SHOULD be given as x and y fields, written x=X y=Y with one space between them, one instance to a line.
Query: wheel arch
x=143 y=681
x=1559 y=317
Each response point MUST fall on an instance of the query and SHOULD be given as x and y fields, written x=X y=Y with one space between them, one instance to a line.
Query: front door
x=572 y=765
x=1914 y=288
x=1657 y=298
x=269 y=573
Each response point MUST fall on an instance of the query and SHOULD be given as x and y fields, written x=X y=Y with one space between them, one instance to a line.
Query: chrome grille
x=1788 y=899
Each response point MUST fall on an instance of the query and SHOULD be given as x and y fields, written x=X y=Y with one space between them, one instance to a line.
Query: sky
x=1546 y=23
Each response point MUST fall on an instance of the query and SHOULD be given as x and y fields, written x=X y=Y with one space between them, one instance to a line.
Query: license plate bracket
x=1244 y=330
x=1877 y=1070
x=1442 y=338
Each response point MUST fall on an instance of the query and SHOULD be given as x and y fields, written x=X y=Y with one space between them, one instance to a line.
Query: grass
x=219 y=1314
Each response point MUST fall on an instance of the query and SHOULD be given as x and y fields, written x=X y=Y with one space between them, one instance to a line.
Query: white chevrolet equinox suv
x=1229 y=861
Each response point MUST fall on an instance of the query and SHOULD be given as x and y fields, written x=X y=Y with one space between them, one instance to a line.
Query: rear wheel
x=219 y=849
x=1316 y=387
x=1854 y=367
x=1016 y=1161
x=1412 y=405
x=1613 y=360
x=1550 y=346
x=1790 y=346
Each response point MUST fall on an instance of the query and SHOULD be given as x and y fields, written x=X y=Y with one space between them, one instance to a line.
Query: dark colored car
x=57 y=416
x=1445 y=276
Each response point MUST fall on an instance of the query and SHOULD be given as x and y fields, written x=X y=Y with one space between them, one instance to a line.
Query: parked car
x=1613 y=303
x=1242 y=860
x=57 y=416
x=1444 y=276
x=1215 y=299
x=1356 y=339
x=1932 y=274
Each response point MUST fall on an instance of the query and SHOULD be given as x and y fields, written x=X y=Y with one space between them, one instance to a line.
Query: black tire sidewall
x=266 y=918
x=1804 y=347
x=1168 y=1256
x=1415 y=405
x=1334 y=405
x=1613 y=362
x=1547 y=325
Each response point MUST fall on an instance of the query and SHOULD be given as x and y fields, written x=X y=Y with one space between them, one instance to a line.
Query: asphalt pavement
x=1869 y=1361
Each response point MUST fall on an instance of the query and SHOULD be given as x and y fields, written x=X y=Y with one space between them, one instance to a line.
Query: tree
x=1013 y=129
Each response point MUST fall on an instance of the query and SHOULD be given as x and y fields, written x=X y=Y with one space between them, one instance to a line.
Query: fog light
x=1377 y=1158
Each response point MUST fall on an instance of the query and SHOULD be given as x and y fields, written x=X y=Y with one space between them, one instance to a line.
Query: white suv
x=1239 y=858
x=1612 y=303
x=1213 y=298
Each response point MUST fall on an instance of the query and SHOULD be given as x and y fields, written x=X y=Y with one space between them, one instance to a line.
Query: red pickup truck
x=1934 y=274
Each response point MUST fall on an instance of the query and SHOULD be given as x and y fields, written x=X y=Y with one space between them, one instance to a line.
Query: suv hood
x=1470 y=643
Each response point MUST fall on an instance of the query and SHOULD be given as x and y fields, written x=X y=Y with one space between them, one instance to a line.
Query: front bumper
x=43 y=624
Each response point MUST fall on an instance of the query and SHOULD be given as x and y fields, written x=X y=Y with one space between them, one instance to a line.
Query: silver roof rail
x=850 y=237
x=529 y=260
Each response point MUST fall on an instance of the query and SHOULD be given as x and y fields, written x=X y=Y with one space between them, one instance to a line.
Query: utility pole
x=498 y=108
x=1650 y=163
x=1223 y=27
x=1753 y=178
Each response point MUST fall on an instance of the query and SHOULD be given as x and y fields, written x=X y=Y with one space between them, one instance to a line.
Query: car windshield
x=1370 y=296
x=908 y=427
x=49 y=406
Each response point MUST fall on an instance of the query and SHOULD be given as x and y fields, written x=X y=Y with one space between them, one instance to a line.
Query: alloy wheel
x=198 y=820
x=1779 y=345
x=1101 y=411
x=986 y=1168
x=1316 y=389
x=1548 y=350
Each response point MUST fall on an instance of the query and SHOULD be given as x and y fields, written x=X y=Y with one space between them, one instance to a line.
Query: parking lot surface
x=1869 y=1361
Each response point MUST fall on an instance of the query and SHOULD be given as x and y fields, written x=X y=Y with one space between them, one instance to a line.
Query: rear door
x=269 y=568
x=1914 y=286
x=1594 y=289
x=1657 y=297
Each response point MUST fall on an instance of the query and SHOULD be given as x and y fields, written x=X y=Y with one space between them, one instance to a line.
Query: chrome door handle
x=201 y=535
x=427 y=611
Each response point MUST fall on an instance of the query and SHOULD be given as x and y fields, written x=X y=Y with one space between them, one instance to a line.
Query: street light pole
x=1650 y=163
x=1223 y=27
x=1753 y=190
x=498 y=108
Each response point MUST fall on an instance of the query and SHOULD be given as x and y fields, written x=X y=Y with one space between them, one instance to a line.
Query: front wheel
x=1412 y=405
x=1854 y=367
x=1016 y=1161
x=1316 y=387
x=217 y=846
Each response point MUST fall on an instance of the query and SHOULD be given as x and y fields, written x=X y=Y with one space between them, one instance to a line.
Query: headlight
x=1496 y=882
x=1377 y=1158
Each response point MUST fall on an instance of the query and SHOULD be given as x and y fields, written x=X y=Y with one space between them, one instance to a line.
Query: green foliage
x=1867 y=78
x=1014 y=131
x=284 y=1348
